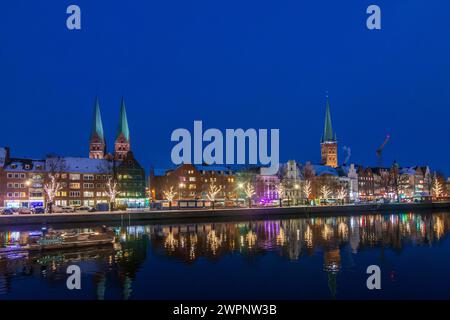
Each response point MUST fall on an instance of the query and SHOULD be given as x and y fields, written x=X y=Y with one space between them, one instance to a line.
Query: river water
x=291 y=258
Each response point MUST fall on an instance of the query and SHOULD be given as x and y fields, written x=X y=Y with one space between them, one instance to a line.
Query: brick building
x=192 y=182
x=21 y=181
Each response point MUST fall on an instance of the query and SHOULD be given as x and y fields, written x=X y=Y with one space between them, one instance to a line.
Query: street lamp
x=181 y=185
x=240 y=186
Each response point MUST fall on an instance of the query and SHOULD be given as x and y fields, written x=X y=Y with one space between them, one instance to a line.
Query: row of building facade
x=85 y=181
x=300 y=183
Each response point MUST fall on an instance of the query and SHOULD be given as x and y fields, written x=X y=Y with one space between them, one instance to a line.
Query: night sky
x=232 y=64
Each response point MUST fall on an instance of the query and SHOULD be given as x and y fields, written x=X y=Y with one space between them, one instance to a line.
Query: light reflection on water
x=114 y=272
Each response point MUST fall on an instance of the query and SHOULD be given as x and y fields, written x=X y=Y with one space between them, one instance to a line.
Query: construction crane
x=380 y=150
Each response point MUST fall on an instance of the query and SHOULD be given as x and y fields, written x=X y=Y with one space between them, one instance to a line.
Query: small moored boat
x=54 y=240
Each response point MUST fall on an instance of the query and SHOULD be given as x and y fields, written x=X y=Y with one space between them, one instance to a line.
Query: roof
x=19 y=165
x=409 y=171
x=211 y=168
x=82 y=165
x=321 y=170
x=123 y=122
x=97 y=125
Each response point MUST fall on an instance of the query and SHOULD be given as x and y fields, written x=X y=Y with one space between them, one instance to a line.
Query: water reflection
x=115 y=268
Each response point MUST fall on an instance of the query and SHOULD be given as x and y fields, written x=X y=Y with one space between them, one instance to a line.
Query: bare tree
x=437 y=187
x=111 y=188
x=51 y=188
x=325 y=192
x=111 y=192
x=342 y=194
x=169 y=195
x=54 y=166
x=249 y=192
x=212 y=192
x=281 y=191
x=307 y=189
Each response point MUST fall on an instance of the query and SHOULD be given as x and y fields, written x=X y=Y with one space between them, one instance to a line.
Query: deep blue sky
x=235 y=63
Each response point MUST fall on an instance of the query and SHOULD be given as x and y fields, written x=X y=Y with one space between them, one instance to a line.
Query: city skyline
x=97 y=124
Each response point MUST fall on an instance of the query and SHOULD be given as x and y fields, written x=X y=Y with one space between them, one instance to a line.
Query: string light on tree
x=325 y=192
x=169 y=195
x=212 y=192
x=307 y=189
x=249 y=192
x=52 y=188
x=111 y=192
x=437 y=187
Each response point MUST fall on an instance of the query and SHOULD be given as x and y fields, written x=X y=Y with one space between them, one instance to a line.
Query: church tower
x=329 y=142
x=122 y=144
x=97 y=144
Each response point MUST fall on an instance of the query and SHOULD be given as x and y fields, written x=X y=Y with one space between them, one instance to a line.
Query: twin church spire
x=97 y=145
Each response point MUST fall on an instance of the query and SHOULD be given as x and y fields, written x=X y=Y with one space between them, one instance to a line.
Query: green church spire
x=123 y=122
x=97 y=126
x=328 y=129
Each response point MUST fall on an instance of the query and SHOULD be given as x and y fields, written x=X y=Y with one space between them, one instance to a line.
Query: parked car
x=7 y=211
x=85 y=209
x=39 y=210
x=64 y=209
x=57 y=209
x=24 y=210
x=68 y=209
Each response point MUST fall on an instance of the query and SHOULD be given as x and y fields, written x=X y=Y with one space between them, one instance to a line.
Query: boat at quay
x=46 y=240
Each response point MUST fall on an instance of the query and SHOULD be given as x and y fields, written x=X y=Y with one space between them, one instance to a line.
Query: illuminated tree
x=54 y=165
x=169 y=195
x=249 y=192
x=51 y=188
x=111 y=192
x=342 y=193
x=109 y=168
x=325 y=192
x=307 y=189
x=437 y=187
x=212 y=192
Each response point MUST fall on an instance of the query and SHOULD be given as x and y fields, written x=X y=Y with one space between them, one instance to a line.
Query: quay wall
x=192 y=214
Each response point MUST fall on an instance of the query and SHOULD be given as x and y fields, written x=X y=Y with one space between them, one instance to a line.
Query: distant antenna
x=380 y=150
x=349 y=154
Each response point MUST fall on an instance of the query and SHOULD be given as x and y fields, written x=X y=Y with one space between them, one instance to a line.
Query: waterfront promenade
x=178 y=214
